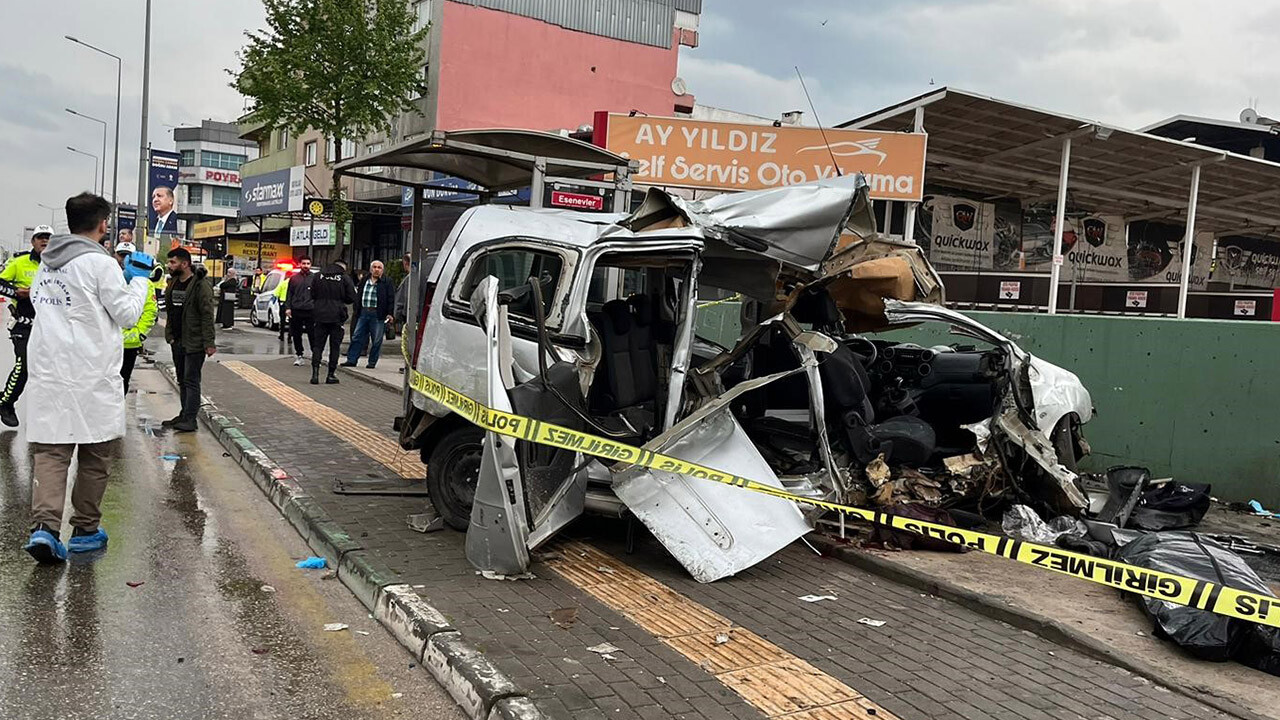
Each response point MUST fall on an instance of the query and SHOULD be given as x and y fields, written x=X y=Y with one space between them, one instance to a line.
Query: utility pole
x=142 y=145
x=115 y=153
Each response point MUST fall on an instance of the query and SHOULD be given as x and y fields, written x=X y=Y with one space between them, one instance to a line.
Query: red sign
x=576 y=201
x=226 y=176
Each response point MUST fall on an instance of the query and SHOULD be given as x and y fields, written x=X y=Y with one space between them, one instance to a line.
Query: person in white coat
x=75 y=402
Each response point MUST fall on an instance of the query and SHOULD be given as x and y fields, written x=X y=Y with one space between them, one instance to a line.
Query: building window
x=348 y=150
x=222 y=161
x=284 y=139
x=195 y=194
x=188 y=158
x=421 y=14
x=309 y=154
x=226 y=197
x=371 y=149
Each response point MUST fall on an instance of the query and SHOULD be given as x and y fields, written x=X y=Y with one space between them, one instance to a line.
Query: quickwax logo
x=1095 y=231
x=962 y=216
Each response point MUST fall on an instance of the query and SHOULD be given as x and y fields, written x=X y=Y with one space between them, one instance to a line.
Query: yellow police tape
x=712 y=303
x=1199 y=594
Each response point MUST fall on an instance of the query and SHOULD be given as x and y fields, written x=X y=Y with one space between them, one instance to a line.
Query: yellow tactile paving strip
x=365 y=439
x=776 y=682
x=773 y=680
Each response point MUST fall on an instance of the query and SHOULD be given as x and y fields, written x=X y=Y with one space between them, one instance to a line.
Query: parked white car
x=266 y=310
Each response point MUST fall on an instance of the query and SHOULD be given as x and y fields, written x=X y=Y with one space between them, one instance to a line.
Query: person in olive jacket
x=189 y=330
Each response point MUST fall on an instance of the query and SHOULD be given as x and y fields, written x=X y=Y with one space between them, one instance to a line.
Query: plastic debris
x=267 y=589
x=171 y=458
x=362 y=632
x=606 y=569
x=134 y=583
x=722 y=638
x=872 y=623
x=878 y=471
x=491 y=575
x=1022 y=523
x=260 y=651
x=604 y=649
x=312 y=563
x=1259 y=510
x=335 y=627
x=816 y=598
x=397 y=696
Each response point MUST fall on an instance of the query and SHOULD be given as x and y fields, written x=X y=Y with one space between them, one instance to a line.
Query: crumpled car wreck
x=589 y=322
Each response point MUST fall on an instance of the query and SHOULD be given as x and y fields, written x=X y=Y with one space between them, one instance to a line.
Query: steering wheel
x=866 y=360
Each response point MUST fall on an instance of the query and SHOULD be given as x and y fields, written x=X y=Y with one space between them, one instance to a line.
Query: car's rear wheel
x=453 y=471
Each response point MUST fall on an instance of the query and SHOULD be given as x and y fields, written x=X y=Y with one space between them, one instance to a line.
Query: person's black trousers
x=330 y=333
x=17 y=380
x=300 y=323
x=126 y=367
x=188 y=366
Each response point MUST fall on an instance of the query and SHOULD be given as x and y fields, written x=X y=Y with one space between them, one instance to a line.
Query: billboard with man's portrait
x=162 y=184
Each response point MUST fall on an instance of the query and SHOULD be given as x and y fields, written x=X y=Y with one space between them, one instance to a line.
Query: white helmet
x=42 y=230
x=125 y=248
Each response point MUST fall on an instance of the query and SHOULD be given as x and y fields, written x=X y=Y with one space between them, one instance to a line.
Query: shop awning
x=998 y=149
x=494 y=159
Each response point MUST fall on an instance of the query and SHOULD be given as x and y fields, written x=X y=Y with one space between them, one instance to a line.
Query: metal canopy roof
x=999 y=149
x=496 y=159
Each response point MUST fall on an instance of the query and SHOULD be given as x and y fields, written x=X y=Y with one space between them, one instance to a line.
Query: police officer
x=20 y=271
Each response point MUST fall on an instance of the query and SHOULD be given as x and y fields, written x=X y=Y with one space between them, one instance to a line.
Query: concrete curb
x=480 y=688
x=1023 y=619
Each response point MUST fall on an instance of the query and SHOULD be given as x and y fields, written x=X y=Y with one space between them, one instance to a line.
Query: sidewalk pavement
x=777 y=656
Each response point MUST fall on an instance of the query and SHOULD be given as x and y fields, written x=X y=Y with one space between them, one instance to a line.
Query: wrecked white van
x=588 y=321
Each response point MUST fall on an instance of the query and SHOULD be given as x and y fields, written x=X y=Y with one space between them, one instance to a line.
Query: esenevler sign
x=679 y=152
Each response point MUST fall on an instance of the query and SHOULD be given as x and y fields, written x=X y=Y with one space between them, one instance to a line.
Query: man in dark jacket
x=332 y=291
x=299 y=306
x=189 y=330
x=376 y=304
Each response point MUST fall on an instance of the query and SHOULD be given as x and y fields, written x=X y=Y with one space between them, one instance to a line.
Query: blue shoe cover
x=88 y=543
x=45 y=548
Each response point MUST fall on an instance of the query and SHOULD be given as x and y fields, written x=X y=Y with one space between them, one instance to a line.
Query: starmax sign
x=678 y=152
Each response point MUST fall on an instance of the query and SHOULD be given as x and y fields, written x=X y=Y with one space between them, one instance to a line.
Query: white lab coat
x=74 y=392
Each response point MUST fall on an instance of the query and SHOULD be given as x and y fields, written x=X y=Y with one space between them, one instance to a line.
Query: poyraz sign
x=273 y=192
x=679 y=152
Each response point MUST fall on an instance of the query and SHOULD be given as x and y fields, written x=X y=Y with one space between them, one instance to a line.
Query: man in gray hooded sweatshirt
x=75 y=402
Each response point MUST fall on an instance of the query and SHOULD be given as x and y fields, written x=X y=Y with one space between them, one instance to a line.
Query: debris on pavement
x=267 y=589
x=1022 y=523
x=888 y=537
x=564 y=617
x=312 y=563
x=134 y=583
x=362 y=632
x=872 y=623
x=604 y=649
x=722 y=638
x=172 y=458
x=1259 y=510
x=491 y=575
x=335 y=627
x=1203 y=634
x=816 y=598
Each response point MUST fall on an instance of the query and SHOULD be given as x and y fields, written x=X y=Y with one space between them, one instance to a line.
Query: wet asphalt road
x=198 y=636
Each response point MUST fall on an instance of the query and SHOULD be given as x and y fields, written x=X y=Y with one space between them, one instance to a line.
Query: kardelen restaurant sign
x=679 y=152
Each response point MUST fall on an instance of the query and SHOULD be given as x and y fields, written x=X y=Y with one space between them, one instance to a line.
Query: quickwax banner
x=1095 y=249
x=1248 y=261
x=962 y=235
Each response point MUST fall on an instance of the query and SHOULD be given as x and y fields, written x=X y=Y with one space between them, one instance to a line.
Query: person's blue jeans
x=370 y=327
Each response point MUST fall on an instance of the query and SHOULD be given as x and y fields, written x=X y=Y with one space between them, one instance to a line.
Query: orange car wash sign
x=678 y=152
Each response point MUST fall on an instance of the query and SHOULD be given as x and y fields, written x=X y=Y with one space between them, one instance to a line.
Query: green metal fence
x=1195 y=399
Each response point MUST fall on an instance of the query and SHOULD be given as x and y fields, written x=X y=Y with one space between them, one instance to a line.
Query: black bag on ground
x=1205 y=635
x=1172 y=506
x=909 y=540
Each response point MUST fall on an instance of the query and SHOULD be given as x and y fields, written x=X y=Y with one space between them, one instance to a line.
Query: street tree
x=342 y=67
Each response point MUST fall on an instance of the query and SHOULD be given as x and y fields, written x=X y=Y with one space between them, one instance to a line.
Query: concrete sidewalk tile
x=409 y=617
x=469 y=677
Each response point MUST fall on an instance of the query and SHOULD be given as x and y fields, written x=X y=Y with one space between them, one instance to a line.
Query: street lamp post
x=51 y=210
x=95 y=165
x=102 y=181
x=115 y=153
x=143 y=146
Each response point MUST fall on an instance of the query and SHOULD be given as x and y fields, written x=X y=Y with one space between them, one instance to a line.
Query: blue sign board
x=274 y=192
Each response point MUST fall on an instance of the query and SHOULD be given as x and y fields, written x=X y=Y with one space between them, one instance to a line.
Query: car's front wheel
x=453 y=471
x=253 y=317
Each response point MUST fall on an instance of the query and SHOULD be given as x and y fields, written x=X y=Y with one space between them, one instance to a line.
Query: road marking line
x=362 y=437
x=774 y=681
x=771 y=679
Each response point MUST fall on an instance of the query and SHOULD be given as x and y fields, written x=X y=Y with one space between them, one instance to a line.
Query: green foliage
x=342 y=67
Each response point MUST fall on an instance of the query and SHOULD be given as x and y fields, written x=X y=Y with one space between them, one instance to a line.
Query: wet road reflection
x=172 y=620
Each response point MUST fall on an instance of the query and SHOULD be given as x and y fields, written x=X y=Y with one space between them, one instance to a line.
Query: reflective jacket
x=20 y=271
x=134 y=336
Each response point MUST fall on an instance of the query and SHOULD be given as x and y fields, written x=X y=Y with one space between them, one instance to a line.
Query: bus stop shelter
x=993 y=148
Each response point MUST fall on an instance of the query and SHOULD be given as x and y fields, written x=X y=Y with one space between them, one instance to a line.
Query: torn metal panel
x=497 y=539
x=1067 y=494
x=714 y=530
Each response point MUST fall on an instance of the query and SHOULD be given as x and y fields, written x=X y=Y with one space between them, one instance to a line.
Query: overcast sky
x=1123 y=62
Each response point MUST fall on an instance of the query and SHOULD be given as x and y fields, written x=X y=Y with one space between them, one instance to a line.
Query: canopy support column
x=1059 y=225
x=1189 y=242
x=909 y=222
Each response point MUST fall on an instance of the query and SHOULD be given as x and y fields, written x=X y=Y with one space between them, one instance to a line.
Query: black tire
x=1064 y=443
x=453 y=470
